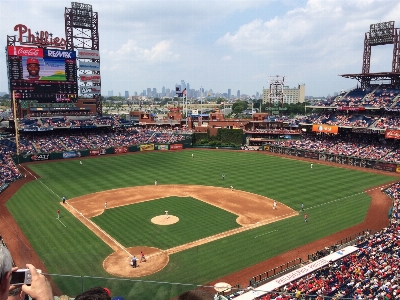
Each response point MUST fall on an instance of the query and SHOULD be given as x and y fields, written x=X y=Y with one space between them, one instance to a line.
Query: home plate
x=222 y=287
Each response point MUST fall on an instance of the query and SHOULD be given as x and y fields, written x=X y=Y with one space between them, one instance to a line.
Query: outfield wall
x=101 y=151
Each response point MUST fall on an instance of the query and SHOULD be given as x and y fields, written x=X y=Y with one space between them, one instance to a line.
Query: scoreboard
x=45 y=75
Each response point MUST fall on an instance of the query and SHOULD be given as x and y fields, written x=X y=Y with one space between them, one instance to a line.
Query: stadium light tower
x=379 y=34
x=82 y=33
x=276 y=91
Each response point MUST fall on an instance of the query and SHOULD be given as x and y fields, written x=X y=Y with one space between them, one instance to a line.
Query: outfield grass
x=333 y=197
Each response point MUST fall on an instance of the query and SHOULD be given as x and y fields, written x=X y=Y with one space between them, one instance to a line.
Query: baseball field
x=215 y=231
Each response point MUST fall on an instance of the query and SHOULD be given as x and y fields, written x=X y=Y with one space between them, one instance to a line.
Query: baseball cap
x=107 y=290
x=32 y=60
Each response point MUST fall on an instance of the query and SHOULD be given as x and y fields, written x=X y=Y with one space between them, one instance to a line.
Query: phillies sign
x=42 y=38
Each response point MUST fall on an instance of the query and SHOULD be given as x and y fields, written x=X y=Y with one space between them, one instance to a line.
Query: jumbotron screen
x=45 y=75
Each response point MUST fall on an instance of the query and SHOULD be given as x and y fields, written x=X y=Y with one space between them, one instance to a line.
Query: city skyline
x=223 y=45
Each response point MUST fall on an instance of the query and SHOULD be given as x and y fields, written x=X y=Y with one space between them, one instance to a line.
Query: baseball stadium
x=260 y=208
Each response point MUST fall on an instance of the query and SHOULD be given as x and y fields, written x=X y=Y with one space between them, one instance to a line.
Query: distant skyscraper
x=149 y=92
x=110 y=93
x=154 y=94
x=126 y=94
x=229 y=93
x=183 y=85
x=163 y=91
x=238 y=94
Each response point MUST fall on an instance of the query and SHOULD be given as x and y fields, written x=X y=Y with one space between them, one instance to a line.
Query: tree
x=219 y=100
x=239 y=106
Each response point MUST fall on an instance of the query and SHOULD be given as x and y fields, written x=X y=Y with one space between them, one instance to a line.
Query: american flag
x=184 y=92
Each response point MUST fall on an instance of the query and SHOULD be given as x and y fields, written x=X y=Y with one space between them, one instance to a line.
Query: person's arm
x=40 y=288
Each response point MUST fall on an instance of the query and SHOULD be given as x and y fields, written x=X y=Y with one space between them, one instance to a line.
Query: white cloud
x=159 y=53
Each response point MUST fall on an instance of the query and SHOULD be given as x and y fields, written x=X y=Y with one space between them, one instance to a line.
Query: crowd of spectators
x=382 y=96
x=341 y=119
x=32 y=144
x=378 y=149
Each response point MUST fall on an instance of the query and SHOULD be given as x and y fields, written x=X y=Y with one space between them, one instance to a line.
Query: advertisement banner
x=65 y=54
x=83 y=53
x=311 y=155
x=90 y=78
x=162 y=147
x=96 y=152
x=350 y=108
x=123 y=149
x=39 y=157
x=176 y=146
x=148 y=147
x=392 y=134
x=325 y=128
x=71 y=154
x=94 y=66
x=24 y=51
x=385 y=167
x=86 y=90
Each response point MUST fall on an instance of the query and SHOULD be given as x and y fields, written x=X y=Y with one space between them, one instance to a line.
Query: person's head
x=33 y=67
x=5 y=271
x=196 y=295
x=96 y=293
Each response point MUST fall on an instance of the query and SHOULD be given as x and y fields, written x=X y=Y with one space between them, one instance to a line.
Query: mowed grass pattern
x=333 y=197
x=131 y=225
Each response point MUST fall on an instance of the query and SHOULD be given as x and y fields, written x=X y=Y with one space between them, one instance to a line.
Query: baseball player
x=274 y=207
x=142 y=257
x=166 y=214
x=105 y=206
x=58 y=213
x=231 y=187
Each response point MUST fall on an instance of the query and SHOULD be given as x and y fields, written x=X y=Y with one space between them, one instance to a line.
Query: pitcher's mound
x=118 y=263
x=162 y=220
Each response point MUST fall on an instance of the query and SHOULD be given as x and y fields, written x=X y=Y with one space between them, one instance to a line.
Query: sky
x=220 y=45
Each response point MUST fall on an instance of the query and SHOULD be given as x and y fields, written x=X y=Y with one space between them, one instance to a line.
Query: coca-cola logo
x=393 y=134
x=28 y=52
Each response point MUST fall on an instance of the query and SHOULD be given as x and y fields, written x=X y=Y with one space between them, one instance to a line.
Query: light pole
x=201 y=100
